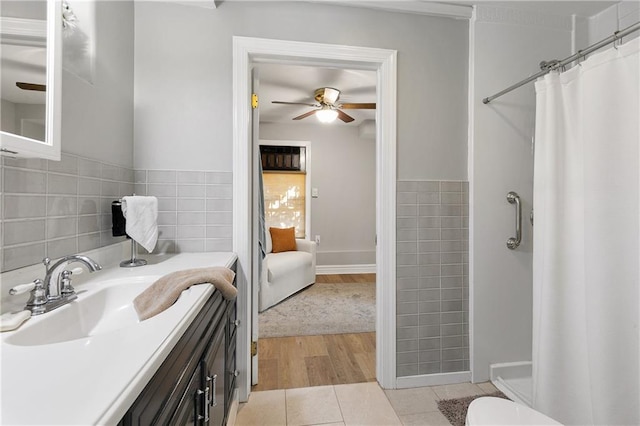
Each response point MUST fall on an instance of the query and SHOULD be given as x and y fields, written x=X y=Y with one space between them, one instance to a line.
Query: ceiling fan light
x=326 y=115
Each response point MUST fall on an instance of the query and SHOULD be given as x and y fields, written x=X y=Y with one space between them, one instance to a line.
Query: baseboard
x=433 y=380
x=510 y=370
x=345 y=269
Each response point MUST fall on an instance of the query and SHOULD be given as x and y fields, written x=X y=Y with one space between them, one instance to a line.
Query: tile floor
x=353 y=404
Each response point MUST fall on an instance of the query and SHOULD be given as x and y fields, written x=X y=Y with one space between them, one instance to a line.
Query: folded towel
x=141 y=214
x=165 y=291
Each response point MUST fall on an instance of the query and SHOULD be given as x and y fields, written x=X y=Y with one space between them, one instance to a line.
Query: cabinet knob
x=236 y=322
x=235 y=373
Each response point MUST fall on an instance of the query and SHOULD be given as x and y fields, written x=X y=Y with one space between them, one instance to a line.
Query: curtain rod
x=547 y=67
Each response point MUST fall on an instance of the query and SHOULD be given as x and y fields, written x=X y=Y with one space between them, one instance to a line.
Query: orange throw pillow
x=284 y=239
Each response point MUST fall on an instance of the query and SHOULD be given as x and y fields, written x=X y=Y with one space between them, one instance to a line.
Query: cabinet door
x=230 y=350
x=180 y=374
x=214 y=377
x=190 y=409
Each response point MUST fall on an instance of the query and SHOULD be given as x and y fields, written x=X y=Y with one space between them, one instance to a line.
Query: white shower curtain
x=586 y=339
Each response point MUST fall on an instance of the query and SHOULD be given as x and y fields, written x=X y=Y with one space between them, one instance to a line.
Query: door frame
x=249 y=50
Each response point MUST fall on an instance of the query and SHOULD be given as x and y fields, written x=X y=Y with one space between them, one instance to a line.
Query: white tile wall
x=616 y=17
x=432 y=277
x=195 y=208
x=52 y=208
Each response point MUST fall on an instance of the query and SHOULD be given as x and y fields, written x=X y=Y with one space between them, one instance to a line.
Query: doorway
x=246 y=52
x=323 y=334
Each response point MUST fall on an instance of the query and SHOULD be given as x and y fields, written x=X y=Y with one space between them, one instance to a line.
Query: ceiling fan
x=32 y=86
x=327 y=108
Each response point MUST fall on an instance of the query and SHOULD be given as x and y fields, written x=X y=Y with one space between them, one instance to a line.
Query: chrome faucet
x=56 y=289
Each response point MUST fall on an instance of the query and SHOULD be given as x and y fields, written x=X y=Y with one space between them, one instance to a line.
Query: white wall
x=507 y=46
x=615 y=18
x=97 y=119
x=30 y=112
x=183 y=78
x=8 y=116
x=343 y=170
x=35 y=9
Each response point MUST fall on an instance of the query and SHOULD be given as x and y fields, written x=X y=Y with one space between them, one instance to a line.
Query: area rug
x=334 y=308
x=455 y=410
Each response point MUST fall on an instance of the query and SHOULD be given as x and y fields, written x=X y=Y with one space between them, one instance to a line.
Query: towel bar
x=133 y=261
x=513 y=243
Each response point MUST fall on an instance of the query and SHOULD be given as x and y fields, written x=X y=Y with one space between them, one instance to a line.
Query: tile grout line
x=286 y=410
x=333 y=387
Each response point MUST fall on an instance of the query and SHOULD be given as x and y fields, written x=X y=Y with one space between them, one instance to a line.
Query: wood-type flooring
x=331 y=359
x=346 y=278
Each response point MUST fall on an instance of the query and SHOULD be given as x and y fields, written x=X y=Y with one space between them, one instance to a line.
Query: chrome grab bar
x=513 y=243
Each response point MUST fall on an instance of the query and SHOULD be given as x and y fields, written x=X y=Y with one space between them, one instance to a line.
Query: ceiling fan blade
x=344 y=116
x=305 y=115
x=32 y=86
x=358 y=106
x=294 y=103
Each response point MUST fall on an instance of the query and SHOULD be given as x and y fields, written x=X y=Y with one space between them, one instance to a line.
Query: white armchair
x=286 y=273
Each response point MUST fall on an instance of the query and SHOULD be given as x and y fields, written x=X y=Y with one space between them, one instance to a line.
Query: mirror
x=30 y=50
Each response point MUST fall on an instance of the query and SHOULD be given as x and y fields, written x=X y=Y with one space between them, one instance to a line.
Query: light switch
x=314 y=192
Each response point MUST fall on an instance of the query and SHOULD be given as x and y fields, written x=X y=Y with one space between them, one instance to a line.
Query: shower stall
x=585 y=354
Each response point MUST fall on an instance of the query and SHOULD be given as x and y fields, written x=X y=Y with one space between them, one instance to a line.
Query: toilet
x=489 y=410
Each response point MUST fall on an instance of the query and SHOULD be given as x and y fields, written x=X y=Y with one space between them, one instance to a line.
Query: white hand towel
x=141 y=214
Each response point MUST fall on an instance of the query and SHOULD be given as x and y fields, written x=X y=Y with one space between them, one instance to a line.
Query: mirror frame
x=19 y=146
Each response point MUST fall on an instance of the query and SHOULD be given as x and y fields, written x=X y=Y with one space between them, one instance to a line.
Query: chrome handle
x=213 y=394
x=206 y=403
x=22 y=288
x=514 y=198
x=65 y=283
x=199 y=393
x=38 y=297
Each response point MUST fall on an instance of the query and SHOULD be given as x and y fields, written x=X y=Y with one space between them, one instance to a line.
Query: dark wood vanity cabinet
x=195 y=384
x=213 y=378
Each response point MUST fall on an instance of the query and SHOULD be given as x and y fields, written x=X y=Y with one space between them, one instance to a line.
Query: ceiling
x=561 y=8
x=297 y=83
x=25 y=64
x=23 y=60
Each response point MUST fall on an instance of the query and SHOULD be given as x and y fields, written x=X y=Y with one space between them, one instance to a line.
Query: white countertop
x=95 y=380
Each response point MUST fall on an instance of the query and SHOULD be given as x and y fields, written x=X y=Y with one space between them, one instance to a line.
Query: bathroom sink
x=96 y=342
x=107 y=309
